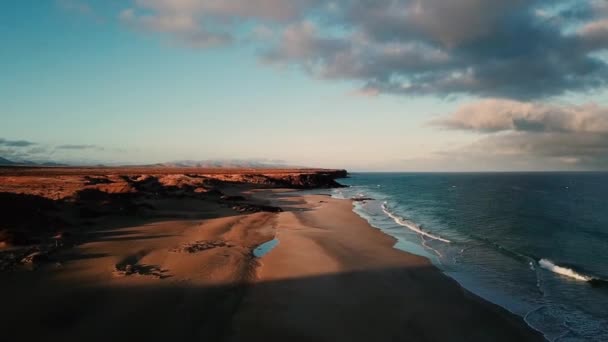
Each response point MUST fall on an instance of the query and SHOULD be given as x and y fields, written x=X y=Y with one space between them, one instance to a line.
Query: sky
x=383 y=85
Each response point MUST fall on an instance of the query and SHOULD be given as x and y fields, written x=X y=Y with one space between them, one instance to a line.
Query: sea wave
x=339 y=194
x=410 y=225
x=568 y=272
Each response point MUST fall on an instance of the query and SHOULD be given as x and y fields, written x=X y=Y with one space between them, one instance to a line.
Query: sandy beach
x=183 y=268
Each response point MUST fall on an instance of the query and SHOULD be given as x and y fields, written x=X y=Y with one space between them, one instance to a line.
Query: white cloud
x=75 y=6
x=493 y=115
x=180 y=25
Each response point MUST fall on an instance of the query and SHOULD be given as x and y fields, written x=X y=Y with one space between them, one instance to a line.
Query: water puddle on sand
x=264 y=248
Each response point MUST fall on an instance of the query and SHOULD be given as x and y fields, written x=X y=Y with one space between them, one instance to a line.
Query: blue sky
x=331 y=84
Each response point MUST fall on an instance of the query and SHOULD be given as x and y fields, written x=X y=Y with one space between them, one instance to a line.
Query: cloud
x=174 y=26
x=181 y=26
x=354 y=57
x=19 y=150
x=273 y=10
x=16 y=143
x=573 y=136
x=484 y=48
x=23 y=151
x=520 y=49
x=595 y=34
x=207 y=23
x=556 y=151
x=76 y=6
x=81 y=8
x=495 y=115
x=80 y=147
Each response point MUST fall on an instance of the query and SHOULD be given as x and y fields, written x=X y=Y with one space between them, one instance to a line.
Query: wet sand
x=190 y=274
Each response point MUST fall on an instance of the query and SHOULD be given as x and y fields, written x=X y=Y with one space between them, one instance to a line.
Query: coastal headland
x=190 y=254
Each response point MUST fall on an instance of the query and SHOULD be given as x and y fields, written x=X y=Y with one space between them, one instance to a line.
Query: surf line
x=400 y=221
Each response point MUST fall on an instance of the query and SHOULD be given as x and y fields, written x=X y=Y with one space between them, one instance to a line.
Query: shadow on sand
x=364 y=305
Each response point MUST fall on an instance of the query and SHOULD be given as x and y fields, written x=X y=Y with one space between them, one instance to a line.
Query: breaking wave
x=410 y=225
x=568 y=272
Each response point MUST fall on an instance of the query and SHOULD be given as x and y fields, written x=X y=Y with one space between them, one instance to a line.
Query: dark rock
x=200 y=246
x=232 y=198
x=361 y=199
x=255 y=208
x=215 y=193
x=35 y=258
x=96 y=180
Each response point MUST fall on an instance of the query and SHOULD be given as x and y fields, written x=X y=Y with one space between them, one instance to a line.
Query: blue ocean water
x=533 y=243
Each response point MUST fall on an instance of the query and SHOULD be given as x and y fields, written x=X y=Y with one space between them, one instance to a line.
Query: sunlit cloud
x=569 y=134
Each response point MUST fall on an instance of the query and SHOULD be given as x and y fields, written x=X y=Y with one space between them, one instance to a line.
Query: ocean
x=533 y=243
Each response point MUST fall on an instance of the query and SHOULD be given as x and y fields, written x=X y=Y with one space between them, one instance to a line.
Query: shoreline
x=366 y=259
x=429 y=258
x=183 y=263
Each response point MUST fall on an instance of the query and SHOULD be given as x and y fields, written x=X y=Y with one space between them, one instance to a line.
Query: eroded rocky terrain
x=48 y=209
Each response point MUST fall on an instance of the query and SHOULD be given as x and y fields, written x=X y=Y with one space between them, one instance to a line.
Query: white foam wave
x=411 y=226
x=431 y=248
x=339 y=194
x=549 y=265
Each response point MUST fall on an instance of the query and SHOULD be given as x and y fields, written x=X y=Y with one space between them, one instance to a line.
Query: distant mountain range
x=6 y=162
x=228 y=163
x=232 y=163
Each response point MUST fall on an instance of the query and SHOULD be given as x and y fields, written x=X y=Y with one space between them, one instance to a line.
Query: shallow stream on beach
x=264 y=248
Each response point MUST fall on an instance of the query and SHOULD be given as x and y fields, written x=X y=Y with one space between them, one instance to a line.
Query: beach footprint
x=200 y=246
x=130 y=266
